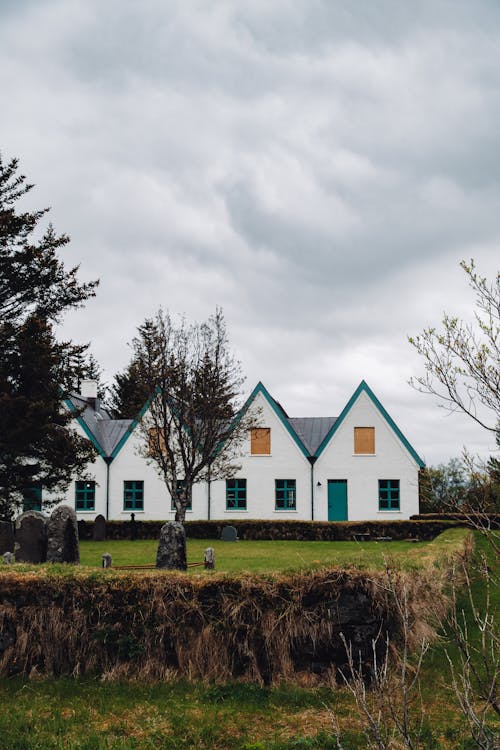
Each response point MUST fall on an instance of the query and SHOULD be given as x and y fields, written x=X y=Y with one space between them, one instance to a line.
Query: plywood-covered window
x=156 y=441
x=364 y=440
x=260 y=441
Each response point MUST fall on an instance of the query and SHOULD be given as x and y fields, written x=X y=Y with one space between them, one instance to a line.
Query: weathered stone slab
x=62 y=536
x=31 y=537
x=8 y=558
x=6 y=537
x=99 y=529
x=209 y=558
x=171 y=553
x=229 y=534
x=107 y=560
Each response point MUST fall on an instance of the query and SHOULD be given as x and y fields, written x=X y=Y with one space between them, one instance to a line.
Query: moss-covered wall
x=154 y=626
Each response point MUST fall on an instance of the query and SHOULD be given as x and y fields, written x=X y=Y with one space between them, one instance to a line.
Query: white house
x=357 y=466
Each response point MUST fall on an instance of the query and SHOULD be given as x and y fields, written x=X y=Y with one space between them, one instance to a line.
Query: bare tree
x=462 y=361
x=194 y=424
x=390 y=702
x=474 y=675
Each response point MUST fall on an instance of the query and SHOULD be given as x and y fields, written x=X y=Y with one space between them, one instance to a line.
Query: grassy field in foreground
x=86 y=714
x=272 y=556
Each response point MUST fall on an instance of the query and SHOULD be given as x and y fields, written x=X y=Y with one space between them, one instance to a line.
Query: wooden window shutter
x=260 y=441
x=364 y=440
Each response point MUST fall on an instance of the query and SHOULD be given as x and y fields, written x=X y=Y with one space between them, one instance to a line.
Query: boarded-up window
x=364 y=440
x=156 y=441
x=260 y=441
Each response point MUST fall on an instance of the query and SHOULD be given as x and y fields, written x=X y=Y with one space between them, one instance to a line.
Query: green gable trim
x=131 y=428
x=260 y=388
x=85 y=428
x=363 y=387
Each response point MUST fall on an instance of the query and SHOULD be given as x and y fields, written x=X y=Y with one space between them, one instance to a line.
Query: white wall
x=390 y=461
x=96 y=471
x=285 y=462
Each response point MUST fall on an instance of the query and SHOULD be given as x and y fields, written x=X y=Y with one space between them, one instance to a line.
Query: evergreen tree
x=37 y=444
x=129 y=392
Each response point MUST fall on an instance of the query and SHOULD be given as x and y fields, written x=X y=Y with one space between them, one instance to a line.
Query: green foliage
x=128 y=393
x=462 y=485
x=36 y=442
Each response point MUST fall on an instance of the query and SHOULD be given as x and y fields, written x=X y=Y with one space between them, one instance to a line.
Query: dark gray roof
x=110 y=432
x=312 y=430
x=106 y=431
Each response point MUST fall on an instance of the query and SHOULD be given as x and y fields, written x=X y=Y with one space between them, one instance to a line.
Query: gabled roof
x=279 y=411
x=363 y=387
x=105 y=433
x=310 y=434
x=312 y=430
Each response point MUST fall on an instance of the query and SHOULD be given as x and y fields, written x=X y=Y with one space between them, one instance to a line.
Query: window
x=285 y=494
x=364 y=440
x=133 y=495
x=236 y=494
x=84 y=495
x=260 y=441
x=156 y=442
x=181 y=483
x=388 y=494
x=32 y=497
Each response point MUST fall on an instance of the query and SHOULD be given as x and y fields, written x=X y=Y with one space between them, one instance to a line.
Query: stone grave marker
x=31 y=537
x=107 y=560
x=171 y=553
x=209 y=558
x=62 y=536
x=6 y=537
x=8 y=558
x=229 y=534
x=99 y=529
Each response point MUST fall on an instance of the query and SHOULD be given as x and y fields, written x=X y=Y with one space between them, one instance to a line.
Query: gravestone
x=229 y=534
x=31 y=537
x=6 y=537
x=107 y=560
x=8 y=558
x=62 y=536
x=171 y=553
x=209 y=558
x=99 y=529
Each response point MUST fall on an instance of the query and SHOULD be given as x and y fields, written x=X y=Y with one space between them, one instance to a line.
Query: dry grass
x=256 y=628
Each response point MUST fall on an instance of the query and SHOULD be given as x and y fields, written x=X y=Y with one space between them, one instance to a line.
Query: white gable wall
x=130 y=464
x=285 y=462
x=390 y=461
x=96 y=471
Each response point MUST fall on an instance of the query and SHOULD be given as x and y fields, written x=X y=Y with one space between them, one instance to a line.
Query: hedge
x=279 y=530
x=474 y=520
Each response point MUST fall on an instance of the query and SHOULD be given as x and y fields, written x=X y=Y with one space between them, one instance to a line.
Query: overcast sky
x=318 y=168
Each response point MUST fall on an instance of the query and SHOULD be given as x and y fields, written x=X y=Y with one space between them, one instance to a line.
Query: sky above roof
x=316 y=169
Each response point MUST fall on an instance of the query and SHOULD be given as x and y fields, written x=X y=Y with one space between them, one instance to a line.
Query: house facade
x=357 y=466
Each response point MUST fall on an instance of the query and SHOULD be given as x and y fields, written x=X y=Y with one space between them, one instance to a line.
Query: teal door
x=337 y=499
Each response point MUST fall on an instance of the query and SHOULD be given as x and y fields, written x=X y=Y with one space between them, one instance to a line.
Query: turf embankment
x=264 y=629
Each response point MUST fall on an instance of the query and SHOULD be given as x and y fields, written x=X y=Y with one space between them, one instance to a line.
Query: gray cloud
x=316 y=168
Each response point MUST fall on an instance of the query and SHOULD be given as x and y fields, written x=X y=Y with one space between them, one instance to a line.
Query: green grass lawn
x=275 y=556
x=89 y=714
